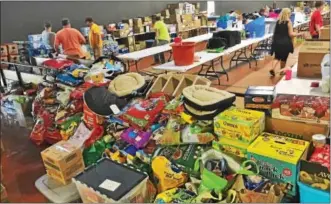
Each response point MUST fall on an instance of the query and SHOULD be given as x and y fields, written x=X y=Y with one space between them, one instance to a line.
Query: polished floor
x=21 y=160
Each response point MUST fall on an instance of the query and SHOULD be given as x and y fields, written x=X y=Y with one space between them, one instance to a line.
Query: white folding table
x=205 y=57
x=213 y=58
x=135 y=57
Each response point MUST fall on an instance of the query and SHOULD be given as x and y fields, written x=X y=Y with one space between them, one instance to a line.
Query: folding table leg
x=19 y=76
x=224 y=71
x=170 y=56
x=3 y=77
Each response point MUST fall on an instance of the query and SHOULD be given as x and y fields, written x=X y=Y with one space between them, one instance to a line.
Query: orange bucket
x=183 y=53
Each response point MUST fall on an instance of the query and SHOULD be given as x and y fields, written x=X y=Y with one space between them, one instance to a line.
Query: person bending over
x=70 y=39
x=95 y=38
x=162 y=37
x=282 y=44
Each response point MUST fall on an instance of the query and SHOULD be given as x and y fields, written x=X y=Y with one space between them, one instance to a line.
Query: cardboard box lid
x=280 y=148
x=111 y=179
x=59 y=150
x=315 y=47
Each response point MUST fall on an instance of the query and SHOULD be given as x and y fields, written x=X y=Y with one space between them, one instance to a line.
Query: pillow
x=205 y=98
x=125 y=84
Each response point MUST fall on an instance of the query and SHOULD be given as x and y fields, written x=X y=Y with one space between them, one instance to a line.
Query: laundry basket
x=183 y=53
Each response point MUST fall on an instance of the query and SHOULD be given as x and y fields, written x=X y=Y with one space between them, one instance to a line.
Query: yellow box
x=63 y=161
x=240 y=124
x=229 y=146
x=278 y=158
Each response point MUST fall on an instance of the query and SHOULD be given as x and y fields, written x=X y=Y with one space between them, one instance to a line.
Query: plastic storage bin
x=55 y=191
x=183 y=53
x=110 y=182
x=312 y=195
x=256 y=28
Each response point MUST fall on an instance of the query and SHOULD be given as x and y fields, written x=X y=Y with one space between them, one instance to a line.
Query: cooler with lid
x=108 y=181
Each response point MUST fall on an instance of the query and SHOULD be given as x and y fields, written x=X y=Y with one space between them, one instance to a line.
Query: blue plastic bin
x=309 y=194
x=257 y=26
x=292 y=18
x=222 y=24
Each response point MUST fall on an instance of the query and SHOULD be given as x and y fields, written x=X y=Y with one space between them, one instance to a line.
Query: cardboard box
x=278 y=158
x=137 y=22
x=14 y=58
x=131 y=48
x=142 y=45
x=197 y=23
x=260 y=98
x=128 y=21
x=138 y=29
x=325 y=33
x=63 y=161
x=232 y=147
x=313 y=173
x=129 y=41
x=239 y=124
x=310 y=109
x=137 y=47
x=176 y=6
x=121 y=33
x=12 y=49
x=173 y=19
x=295 y=129
x=4 y=59
x=310 y=56
x=165 y=12
x=4 y=51
x=326 y=21
x=187 y=18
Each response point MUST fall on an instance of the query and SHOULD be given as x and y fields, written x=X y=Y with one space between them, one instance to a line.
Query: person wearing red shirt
x=316 y=20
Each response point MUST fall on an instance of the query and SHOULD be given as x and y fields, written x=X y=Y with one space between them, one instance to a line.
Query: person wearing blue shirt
x=47 y=36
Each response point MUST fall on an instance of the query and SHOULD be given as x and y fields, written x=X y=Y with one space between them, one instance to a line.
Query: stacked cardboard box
x=124 y=32
x=128 y=21
x=4 y=56
x=140 y=45
x=325 y=33
x=176 y=8
x=138 y=26
x=63 y=161
x=310 y=57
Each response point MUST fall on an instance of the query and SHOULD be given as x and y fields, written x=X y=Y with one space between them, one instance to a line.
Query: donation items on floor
x=123 y=137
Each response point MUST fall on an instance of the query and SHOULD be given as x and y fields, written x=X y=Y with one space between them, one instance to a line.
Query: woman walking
x=282 y=44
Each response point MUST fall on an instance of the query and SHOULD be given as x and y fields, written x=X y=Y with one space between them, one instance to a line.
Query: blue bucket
x=309 y=194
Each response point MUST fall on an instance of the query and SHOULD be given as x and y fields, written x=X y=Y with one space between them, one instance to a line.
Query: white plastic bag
x=325 y=65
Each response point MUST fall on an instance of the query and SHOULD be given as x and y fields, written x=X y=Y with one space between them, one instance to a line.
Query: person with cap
x=47 y=36
x=162 y=37
x=70 y=39
x=316 y=20
x=95 y=38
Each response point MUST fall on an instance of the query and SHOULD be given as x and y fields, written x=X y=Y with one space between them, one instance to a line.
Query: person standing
x=95 y=38
x=70 y=39
x=316 y=20
x=282 y=44
x=162 y=37
x=47 y=36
